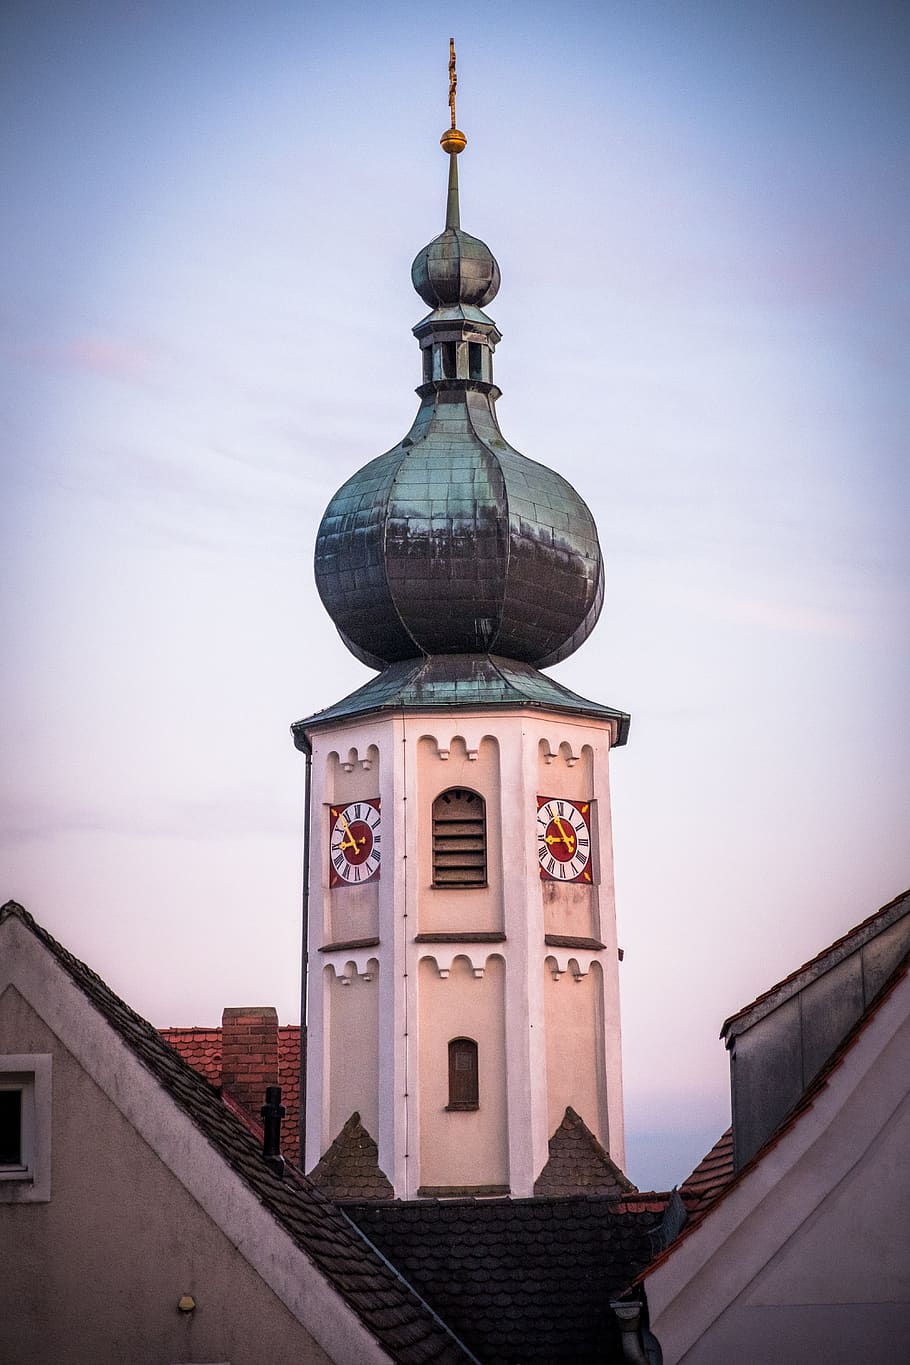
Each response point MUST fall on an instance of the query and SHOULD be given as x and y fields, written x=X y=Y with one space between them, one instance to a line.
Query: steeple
x=463 y=991
x=453 y=543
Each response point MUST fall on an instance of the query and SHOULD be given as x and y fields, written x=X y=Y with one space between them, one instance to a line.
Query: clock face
x=355 y=843
x=563 y=839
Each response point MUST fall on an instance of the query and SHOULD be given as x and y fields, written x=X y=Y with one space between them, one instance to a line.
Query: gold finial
x=452 y=140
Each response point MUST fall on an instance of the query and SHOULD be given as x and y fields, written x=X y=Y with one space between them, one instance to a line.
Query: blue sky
x=700 y=213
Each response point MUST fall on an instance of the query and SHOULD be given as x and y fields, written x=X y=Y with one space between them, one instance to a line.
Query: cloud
x=108 y=356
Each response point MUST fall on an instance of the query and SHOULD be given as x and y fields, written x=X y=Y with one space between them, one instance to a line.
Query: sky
x=700 y=212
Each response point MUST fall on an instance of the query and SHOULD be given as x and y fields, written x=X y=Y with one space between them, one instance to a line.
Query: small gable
x=349 y=1169
x=578 y=1164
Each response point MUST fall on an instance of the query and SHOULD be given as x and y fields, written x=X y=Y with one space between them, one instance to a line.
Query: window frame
x=457 y=1047
x=29 y=1180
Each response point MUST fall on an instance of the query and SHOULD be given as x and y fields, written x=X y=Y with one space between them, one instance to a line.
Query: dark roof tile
x=552 y=1265
x=578 y=1163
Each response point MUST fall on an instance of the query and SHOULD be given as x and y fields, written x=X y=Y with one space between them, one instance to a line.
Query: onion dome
x=455 y=267
x=452 y=542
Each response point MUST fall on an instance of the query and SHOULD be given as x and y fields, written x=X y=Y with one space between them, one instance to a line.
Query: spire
x=455 y=269
x=452 y=141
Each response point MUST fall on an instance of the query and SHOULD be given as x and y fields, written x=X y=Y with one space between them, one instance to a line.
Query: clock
x=563 y=839
x=355 y=841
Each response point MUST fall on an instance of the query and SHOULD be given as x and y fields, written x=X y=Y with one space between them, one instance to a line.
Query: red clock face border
x=355 y=842
x=564 y=840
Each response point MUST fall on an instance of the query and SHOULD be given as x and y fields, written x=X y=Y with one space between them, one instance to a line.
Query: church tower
x=463 y=989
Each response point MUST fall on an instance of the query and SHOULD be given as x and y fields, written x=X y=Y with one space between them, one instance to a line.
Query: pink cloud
x=113 y=357
x=107 y=355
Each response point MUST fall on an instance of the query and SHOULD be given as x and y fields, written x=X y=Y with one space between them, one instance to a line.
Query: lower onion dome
x=452 y=543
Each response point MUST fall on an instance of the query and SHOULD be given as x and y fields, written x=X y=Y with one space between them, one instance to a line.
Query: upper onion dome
x=456 y=268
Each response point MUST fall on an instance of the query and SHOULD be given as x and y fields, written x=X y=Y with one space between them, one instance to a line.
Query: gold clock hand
x=569 y=841
x=350 y=841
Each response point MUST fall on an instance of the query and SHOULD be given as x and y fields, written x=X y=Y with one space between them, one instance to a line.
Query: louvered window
x=459 y=839
x=463 y=1085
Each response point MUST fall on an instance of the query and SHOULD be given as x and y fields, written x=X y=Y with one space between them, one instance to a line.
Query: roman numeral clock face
x=355 y=843
x=563 y=839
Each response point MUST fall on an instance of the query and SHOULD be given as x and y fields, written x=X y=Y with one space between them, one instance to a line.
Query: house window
x=475 y=360
x=463 y=1088
x=459 y=839
x=10 y=1127
x=25 y=1128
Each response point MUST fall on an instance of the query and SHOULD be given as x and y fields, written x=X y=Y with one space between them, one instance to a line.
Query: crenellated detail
x=578 y=965
x=359 y=965
x=443 y=957
x=466 y=744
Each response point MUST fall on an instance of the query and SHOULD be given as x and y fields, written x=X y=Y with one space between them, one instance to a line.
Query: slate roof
x=524 y=1280
x=443 y=681
x=201 y=1047
x=579 y=1164
x=386 y=1305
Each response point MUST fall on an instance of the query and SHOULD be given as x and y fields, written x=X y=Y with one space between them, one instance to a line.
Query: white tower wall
x=525 y=968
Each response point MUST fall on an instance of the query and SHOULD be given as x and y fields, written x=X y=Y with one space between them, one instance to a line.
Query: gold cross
x=453 y=79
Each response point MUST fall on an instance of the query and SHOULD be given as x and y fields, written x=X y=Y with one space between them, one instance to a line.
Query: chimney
x=249 y=1054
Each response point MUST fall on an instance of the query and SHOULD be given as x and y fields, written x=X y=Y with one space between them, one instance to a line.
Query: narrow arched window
x=463 y=1088
x=459 y=839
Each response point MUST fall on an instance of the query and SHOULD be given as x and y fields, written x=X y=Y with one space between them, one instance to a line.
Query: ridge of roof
x=835 y=952
x=389 y=1308
x=791 y=1119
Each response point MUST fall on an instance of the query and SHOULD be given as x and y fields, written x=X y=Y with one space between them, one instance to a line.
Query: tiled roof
x=579 y=1164
x=383 y=1301
x=289 y=1080
x=201 y=1047
x=835 y=952
x=520 y=1280
x=711 y=1176
x=349 y=1168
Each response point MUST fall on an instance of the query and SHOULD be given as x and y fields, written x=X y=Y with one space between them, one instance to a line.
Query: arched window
x=463 y=1089
x=459 y=839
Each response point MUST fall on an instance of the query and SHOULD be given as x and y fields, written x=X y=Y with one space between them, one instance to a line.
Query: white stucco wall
x=808 y=1257
x=353 y=1032
x=463 y=1148
x=509 y=759
x=93 y=1276
x=576 y=1071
